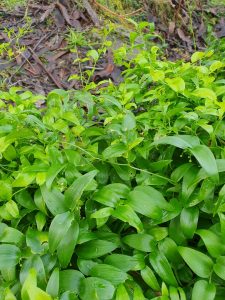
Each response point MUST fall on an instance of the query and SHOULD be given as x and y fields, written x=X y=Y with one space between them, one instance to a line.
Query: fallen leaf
x=182 y=36
x=171 y=27
x=91 y=12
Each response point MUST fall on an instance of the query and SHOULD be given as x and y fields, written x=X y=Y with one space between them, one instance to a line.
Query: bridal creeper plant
x=117 y=195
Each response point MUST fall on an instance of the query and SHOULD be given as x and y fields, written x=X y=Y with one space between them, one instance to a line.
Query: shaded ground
x=34 y=50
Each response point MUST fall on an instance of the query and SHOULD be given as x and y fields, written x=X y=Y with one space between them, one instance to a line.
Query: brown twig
x=115 y=14
x=37 y=59
x=27 y=58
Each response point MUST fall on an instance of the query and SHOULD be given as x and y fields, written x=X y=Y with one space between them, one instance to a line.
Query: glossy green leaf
x=115 y=150
x=180 y=141
x=219 y=267
x=34 y=262
x=205 y=93
x=67 y=244
x=9 y=255
x=174 y=294
x=10 y=234
x=162 y=267
x=54 y=200
x=212 y=242
x=30 y=290
x=109 y=273
x=96 y=289
x=196 y=56
x=59 y=226
x=206 y=159
x=148 y=201
x=129 y=121
x=52 y=173
x=140 y=241
x=110 y=194
x=126 y=214
x=121 y=293
x=149 y=278
x=126 y=262
x=177 y=84
x=6 y=191
x=199 y=263
x=53 y=283
x=75 y=191
x=23 y=180
x=189 y=221
x=95 y=248
x=25 y=199
x=169 y=248
x=70 y=280
x=203 y=289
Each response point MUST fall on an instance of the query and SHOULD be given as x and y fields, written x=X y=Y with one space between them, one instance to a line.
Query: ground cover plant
x=116 y=192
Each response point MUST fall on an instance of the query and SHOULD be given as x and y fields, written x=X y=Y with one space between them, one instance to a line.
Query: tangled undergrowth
x=117 y=194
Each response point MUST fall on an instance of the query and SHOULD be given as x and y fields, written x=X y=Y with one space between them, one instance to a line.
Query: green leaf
x=69 y=296
x=169 y=248
x=140 y=241
x=109 y=273
x=9 y=255
x=110 y=194
x=205 y=93
x=94 y=54
x=177 y=84
x=197 y=56
x=203 y=290
x=138 y=293
x=189 y=221
x=219 y=267
x=96 y=289
x=180 y=141
x=206 y=159
x=213 y=243
x=59 y=226
x=24 y=198
x=54 y=200
x=148 y=202
x=23 y=179
x=149 y=278
x=162 y=267
x=75 y=191
x=34 y=262
x=53 y=284
x=70 y=280
x=5 y=191
x=125 y=262
x=121 y=293
x=115 y=150
x=174 y=294
x=95 y=248
x=10 y=234
x=66 y=246
x=157 y=75
x=30 y=291
x=126 y=214
x=53 y=171
x=129 y=121
x=198 y=262
x=102 y=213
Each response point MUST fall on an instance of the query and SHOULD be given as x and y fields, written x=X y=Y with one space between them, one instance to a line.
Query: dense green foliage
x=120 y=194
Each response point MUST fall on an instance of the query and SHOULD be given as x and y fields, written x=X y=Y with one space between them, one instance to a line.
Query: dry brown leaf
x=171 y=27
x=183 y=37
x=91 y=12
